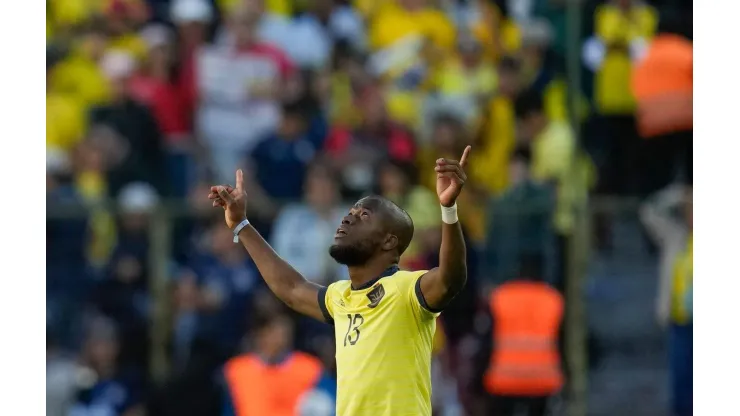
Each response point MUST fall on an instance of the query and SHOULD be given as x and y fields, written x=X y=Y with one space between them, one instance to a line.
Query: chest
x=369 y=318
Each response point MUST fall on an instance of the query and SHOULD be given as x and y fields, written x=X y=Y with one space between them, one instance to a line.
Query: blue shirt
x=106 y=398
x=236 y=285
x=280 y=165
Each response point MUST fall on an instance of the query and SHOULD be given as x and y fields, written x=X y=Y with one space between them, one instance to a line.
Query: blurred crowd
x=149 y=102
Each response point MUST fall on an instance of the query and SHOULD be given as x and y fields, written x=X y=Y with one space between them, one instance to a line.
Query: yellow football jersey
x=384 y=334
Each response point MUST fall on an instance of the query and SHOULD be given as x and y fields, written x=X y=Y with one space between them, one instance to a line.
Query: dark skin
x=370 y=239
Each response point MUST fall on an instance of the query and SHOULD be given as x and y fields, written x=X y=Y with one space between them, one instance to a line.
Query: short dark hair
x=523 y=154
x=296 y=108
x=531 y=265
x=409 y=169
x=509 y=63
x=528 y=103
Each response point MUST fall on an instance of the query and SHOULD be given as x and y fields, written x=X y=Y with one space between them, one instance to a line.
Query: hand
x=232 y=199
x=451 y=178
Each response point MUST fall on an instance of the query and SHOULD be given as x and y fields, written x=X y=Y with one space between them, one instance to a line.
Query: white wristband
x=239 y=229
x=449 y=214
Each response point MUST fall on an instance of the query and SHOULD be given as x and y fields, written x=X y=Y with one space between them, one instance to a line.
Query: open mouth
x=340 y=233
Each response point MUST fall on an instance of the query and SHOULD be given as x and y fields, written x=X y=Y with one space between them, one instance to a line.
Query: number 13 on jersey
x=353 y=329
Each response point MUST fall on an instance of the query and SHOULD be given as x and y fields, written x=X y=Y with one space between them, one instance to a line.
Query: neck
x=361 y=275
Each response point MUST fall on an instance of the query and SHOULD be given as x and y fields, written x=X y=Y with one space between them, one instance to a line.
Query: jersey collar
x=388 y=272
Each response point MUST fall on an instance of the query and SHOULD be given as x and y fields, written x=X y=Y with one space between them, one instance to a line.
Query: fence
x=591 y=275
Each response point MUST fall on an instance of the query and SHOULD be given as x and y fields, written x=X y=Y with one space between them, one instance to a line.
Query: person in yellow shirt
x=622 y=29
x=496 y=135
x=408 y=40
x=467 y=77
x=65 y=118
x=121 y=18
x=556 y=161
x=379 y=372
x=449 y=137
x=78 y=75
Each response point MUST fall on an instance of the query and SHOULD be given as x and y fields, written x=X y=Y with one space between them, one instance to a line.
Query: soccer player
x=384 y=318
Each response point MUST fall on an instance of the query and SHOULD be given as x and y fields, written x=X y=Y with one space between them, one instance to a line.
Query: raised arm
x=440 y=285
x=282 y=279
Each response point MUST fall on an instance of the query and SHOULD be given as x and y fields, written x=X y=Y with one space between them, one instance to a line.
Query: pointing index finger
x=240 y=180
x=464 y=158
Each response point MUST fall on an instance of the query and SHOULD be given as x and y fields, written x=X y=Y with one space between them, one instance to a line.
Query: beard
x=352 y=254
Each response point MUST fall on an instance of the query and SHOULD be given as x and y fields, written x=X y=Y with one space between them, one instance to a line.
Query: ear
x=390 y=242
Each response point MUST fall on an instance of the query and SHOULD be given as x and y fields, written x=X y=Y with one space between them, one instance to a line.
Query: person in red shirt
x=357 y=151
x=154 y=86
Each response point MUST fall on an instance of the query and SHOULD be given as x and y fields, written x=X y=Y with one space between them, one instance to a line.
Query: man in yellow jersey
x=384 y=318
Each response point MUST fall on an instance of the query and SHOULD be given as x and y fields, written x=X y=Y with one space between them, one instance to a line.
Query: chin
x=347 y=254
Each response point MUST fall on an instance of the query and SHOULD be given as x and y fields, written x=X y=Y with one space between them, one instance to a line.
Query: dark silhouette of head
x=531 y=266
x=374 y=228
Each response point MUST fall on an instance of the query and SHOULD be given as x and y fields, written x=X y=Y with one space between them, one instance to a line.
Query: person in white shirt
x=301 y=229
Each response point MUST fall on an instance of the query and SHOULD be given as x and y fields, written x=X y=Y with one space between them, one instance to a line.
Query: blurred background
x=580 y=117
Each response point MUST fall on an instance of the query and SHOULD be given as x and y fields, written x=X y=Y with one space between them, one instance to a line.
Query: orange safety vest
x=260 y=389
x=663 y=85
x=525 y=359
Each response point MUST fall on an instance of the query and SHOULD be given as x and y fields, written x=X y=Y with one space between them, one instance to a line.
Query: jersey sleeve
x=325 y=303
x=412 y=283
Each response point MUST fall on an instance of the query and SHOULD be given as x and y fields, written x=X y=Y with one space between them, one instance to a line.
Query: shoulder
x=407 y=278
x=338 y=287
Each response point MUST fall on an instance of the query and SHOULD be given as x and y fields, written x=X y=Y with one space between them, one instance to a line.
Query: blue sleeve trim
x=322 y=305
x=420 y=297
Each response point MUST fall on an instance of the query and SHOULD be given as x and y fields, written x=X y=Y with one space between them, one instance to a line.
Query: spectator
x=357 y=152
x=274 y=379
x=316 y=220
x=62 y=375
x=663 y=84
x=449 y=139
x=66 y=242
x=674 y=236
x=314 y=31
x=110 y=392
x=497 y=131
x=398 y=182
x=92 y=187
x=132 y=140
x=65 y=117
x=520 y=220
x=348 y=77
x=233 y=119
x=123 y=294
x=192 y=19
x=279 y=162
x=465 y=82
x=557 y=162
x=122 y=18
x=226 y=281
x=524 y=366
x=154 y=86
x=622 y=29
x=409 y=40
x=79 y=75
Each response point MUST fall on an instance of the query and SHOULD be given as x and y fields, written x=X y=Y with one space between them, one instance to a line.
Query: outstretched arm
x=440 y=285
x=282 y=279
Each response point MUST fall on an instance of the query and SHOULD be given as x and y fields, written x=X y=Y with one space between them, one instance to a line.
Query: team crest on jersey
x=376 y=295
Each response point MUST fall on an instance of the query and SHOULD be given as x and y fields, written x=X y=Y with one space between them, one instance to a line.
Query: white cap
x=138 y=198
x=57 y=161
x=184 y=11
x=117 y=64
x=156 y=35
